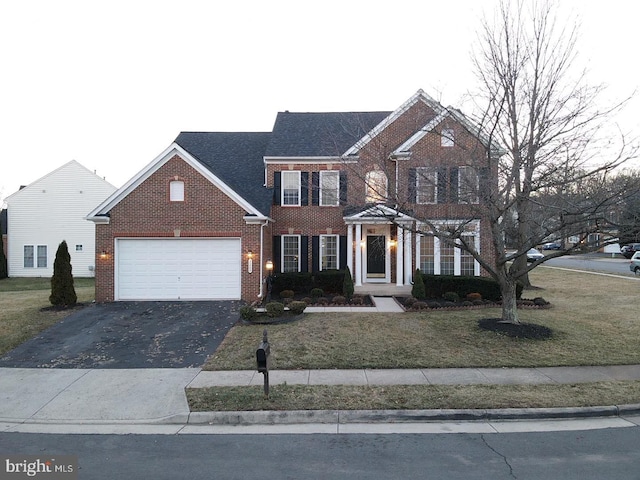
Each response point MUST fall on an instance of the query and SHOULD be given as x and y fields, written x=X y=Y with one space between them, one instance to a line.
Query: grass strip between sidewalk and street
x=397 y=397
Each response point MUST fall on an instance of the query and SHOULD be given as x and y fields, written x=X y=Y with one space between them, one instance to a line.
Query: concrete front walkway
x=381 y=304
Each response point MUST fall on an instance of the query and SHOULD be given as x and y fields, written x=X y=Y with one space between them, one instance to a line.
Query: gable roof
x=236 y=159
x=327 y=134
x=71 y=164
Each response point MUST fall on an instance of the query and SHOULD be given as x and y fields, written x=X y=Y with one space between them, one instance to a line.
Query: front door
x=376 y=256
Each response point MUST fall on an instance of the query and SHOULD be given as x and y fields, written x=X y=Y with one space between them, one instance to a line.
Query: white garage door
x=178 y=269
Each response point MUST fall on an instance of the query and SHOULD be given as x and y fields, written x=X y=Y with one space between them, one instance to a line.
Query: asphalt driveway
x=130 y=335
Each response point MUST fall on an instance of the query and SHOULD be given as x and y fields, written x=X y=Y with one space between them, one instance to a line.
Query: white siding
x=50 y=210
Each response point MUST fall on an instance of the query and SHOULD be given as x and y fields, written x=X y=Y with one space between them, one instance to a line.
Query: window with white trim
x=468 y=185
x=426 y=185
x=446 y=137
x=447 y=257
x=329 y=252
x=290 y=188
x=329 y=189
x=467 y=262
x=35 y=257
x=427 y=254
x=290 y=253
x=28 y=256
x=176 y=191
x=376 y=184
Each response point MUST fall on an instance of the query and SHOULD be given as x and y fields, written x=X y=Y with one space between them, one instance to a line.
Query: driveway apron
x=130 y=335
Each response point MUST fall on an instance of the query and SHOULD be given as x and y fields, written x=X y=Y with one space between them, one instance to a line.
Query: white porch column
x=400 y=256
x=350 y=248
x=408 y=271
x=358 y=274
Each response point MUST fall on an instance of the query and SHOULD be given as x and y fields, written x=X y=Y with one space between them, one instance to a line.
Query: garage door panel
x=178 y=269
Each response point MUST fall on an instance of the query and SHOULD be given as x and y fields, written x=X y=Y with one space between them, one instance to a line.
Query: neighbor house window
x=28 y=256
x=78 y=248
x=329 y=188
x=291 y=253
x=290 y=188
x=176 y=191
x=426 y=185
x=376 y=184
x=42 y=256
x=328 y=252
x=468 y=183
x=446 y=137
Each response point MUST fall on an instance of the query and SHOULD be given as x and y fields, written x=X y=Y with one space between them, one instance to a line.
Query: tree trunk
x=509 y=306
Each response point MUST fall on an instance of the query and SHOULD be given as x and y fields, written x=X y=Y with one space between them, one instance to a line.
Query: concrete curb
x=405 y=416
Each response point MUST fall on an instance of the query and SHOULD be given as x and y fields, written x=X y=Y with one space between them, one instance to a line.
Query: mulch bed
x=529 y=331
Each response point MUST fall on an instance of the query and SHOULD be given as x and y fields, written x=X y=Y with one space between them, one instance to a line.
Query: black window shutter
x=304 y=253
x=412 y=186
x=304 y=188
x=343 y=252
x=315 y=253
x=276 y=188
x=343 y=187
x=315 y=188
x=276 y=254
x=442 y=185
x=453 y=185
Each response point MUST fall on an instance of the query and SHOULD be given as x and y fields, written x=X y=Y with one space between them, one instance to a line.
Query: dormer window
x=176 y=191
x=446 y=137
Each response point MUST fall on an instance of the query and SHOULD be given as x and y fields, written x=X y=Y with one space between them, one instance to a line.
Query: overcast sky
x=111 y=84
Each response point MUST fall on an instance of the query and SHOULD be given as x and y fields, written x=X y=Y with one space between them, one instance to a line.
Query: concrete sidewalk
x=157 y=396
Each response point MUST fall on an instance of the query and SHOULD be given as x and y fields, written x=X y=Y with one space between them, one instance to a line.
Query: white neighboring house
x=48 y=211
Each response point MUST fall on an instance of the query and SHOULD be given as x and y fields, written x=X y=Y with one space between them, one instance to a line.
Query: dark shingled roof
x=236 y=158
x=319 y=134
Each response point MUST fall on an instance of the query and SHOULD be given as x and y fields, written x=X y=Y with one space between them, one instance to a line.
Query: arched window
x=376 y=184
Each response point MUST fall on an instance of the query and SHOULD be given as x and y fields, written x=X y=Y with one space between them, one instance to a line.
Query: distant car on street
x=634 y=265
x=533 y=255
x=552 y=246
x=628 y=250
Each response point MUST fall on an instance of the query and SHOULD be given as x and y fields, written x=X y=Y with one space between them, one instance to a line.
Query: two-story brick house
x=320 y=191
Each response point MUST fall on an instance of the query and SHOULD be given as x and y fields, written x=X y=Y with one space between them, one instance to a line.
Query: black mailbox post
x=262 y=360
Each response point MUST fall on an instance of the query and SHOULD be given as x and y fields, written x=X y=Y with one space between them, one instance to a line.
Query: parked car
x=628 y=250
x=634 y=265
x=533 y=255
x=552 y=246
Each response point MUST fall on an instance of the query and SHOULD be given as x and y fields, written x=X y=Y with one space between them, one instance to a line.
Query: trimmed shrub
x=433 y=304
x=418 y=291
x=274 y=309
x=62 y=291
x=420 y=305
x=307 y=300
x=451 y=297
x=287 y=294
x=317 y=292
x=539 y=301
x=330 y=281
x=297 y=307
x=410 y=301
x=299 y=282
x=339 y=300
x=473 y=296
x=347 y=284
x=488 y=288
x=247 y=312
x=322 y=301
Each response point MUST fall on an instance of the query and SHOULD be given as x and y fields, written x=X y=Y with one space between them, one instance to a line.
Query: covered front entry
x=379 y=247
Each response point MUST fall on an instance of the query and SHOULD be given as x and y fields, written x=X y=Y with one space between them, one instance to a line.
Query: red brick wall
x=205 y=212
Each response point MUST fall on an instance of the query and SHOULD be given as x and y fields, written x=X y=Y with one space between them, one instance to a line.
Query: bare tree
x=557 y=139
